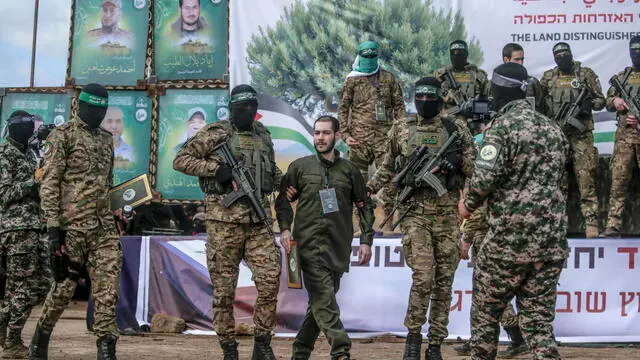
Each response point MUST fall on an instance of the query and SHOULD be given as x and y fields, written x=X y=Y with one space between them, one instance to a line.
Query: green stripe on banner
x=281 y=133
x=604 y=137
x=601 y=137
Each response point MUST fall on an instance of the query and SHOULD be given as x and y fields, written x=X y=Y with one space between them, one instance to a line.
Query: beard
x=328 y=149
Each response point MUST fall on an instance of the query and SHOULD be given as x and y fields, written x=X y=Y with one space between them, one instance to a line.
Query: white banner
x=300 y=51
x=598 y=296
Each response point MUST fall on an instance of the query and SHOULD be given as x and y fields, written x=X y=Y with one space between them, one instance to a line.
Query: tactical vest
x=433 y=137
x=251 y=149
x=564 y=88
x=467 y=81
x=633 y=82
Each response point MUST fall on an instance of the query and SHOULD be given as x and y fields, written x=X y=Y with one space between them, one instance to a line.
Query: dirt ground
x=71 y=341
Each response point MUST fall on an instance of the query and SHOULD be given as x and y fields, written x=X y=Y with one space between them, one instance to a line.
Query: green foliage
x=306 y=56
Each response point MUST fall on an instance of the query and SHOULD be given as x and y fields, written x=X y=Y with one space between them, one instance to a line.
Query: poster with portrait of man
x=190 y=39
x=128 y=119
x=109 y=41
x=182 y=114
x=49 y=108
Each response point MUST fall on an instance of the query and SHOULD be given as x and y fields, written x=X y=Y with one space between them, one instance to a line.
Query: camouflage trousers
x=28 y=276
x=371 y=150
x=626 y=156
x=495 y=283
x=584 y=159
x=99 y=250
x=323 y=313
x=228 y=244
x=431 y=251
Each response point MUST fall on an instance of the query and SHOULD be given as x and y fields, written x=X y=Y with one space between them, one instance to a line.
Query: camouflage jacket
x=357 y=108
x=19 y=201
x=77 y=176
x=325 y=237
x=473 y=81
x=625 y=134
x=405 y=136
x=558 y=88
x=198 y=158
x=520 y=170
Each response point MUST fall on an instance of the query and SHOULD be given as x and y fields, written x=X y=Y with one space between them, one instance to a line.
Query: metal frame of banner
x=149 y=83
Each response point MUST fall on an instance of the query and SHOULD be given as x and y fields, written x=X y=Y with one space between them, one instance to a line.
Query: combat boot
x=464 y=349
x=517 y=346
x=591 y=231
x=13 y=346
x=230 y=350
x=433 y=353
x=39 y=348
x=262 y=348
x=4 y=322
x=342 y=357
x=412 y=346
x=107 y=347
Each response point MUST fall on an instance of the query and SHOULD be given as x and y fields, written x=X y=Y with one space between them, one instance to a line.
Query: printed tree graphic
x=305 y=57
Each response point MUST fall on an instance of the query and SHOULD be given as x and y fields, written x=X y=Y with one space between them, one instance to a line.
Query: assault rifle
x=568 y=114
x=458 y=97
x=421 y=164
x=246 y=185
x=632 y=101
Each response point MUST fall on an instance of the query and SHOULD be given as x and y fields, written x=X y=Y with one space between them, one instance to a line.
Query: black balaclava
x=508 y=83
x=634 y=51
x=459 y=53
x=564 y=61
x=94 y=100
x=20 y=126
x=429 y=86
x=243 y=104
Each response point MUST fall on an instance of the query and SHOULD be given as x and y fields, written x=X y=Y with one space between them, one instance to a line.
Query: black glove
x=451 y=163
x=59 y=260
x=223 y=175
x=586 y=106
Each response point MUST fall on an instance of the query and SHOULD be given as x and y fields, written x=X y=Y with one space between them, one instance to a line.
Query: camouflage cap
x=196 y=110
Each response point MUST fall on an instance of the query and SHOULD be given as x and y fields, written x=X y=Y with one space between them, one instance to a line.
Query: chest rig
x=565 y=87
x=433 y=135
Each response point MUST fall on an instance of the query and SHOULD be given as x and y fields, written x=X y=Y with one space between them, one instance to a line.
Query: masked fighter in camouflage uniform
x=430 y=239
x=371 y=101
x=626 y=153
x=21 y=240
x=234 y=233
x=326 y=187
x=561 y=84
x=473 y=81
x=520 y=165
x=78 y=167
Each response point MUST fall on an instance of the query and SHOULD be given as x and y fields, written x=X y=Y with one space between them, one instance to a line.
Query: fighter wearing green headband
x=370 y=103
x=472 y=80
x=561 y=85
x=429 y=240
x=234 y=233
x=626 y=150
x=77 y=175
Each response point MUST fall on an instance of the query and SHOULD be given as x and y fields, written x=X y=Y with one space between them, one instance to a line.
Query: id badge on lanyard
x=328 y=197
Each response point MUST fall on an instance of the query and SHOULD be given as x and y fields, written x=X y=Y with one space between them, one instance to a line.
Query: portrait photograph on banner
x=182 y=114
x=109 y=41
x=190 y=39
x=52 y=108
x=128 y=119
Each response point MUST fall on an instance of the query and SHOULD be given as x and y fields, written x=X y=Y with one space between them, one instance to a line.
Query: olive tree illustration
x=304 y=58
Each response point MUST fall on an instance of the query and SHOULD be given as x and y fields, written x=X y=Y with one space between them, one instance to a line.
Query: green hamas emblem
x=93 y=99
x=243 y=96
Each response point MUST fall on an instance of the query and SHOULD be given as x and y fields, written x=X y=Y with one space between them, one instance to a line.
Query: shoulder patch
x=488 y=155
